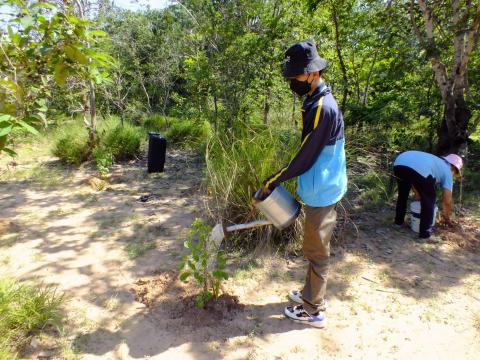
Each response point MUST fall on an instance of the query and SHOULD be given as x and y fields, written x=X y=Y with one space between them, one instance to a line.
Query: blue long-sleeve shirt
x=320 y=163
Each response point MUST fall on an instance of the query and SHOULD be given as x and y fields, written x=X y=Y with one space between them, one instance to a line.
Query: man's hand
x=446 y=221
x=264 y=192
x=416 y=194
x=447 y=206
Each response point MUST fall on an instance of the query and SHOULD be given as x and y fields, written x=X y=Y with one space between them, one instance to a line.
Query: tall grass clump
x=25 y=310
x=236 y=167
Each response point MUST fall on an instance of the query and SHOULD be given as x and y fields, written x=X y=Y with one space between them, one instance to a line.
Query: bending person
x=423 y=171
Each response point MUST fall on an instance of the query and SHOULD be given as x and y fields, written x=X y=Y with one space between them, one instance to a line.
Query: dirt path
x=388 y=296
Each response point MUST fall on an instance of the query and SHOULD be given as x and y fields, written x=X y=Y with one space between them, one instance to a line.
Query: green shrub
x=188 y=134
x=25 y=310
x=70 y=141
x=123 y=142
x=72 y=148
x=155 y=122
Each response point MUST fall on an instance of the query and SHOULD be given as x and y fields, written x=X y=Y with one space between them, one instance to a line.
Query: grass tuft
x=25 y=310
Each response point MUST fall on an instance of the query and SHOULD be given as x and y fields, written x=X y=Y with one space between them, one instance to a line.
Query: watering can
x=279 y=207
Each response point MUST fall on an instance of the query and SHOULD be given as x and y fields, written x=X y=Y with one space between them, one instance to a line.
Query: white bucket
x=415 y=209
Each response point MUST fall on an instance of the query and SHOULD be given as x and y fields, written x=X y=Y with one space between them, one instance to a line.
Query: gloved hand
x=264 y=192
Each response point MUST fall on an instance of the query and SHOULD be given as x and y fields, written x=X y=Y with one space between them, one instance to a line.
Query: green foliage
x=103 y=160
x=71 y=145
x=157 y=122
x=188 y=133
x=42 y=45
x=206 y=263
x=25 y=310
x=180 y=132
x=123 y=142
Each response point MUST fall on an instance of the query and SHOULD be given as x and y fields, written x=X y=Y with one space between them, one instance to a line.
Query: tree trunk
x=266 y=105
x=215 y=118
x=452 y=134
x=369 y=77
x=93 y=135
x=340 y=57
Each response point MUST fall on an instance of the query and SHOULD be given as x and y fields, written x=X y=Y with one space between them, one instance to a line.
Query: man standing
x=320 y=166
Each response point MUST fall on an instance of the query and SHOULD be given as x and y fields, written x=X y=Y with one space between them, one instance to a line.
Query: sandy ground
x=388 y=297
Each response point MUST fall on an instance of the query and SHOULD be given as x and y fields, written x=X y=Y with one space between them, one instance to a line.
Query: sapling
x=206 y=262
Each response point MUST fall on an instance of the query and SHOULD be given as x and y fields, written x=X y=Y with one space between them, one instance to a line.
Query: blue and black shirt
x=320 y=164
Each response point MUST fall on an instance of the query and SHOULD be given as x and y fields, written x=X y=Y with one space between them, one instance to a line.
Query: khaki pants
x=319 y=225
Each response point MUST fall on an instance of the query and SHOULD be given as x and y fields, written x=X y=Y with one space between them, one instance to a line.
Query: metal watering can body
x=280 y=207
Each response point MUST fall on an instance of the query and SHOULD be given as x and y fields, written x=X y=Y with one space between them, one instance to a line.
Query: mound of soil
x=225 y=307
x=151 y=291
x=465 y=234
x=164 y=292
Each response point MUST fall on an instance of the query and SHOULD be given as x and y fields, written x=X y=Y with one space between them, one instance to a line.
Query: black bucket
x=157 y=147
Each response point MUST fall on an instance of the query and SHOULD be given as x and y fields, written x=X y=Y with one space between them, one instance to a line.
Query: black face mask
x=300 y=87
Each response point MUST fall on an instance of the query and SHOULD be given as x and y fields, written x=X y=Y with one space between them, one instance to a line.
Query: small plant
x=103 y=160
x=206 y=263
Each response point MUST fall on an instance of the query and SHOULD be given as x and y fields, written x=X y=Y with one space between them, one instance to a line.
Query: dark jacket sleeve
x=312 y=146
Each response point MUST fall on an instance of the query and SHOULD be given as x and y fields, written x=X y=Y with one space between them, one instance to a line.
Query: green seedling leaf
x=185 y=275
x=198 y=277
x=192 y=265
x=199 y=302
x=9 y=151
x=220 y=274
x=187 y=244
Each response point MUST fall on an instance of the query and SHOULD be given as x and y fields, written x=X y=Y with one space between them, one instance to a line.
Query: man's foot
x=433 y=239
x=295 y=295
x=298 y=314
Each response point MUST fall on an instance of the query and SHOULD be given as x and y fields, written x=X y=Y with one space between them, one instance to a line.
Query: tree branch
x=472 y=39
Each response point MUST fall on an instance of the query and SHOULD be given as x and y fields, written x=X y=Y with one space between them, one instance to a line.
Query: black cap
x=302 y=58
